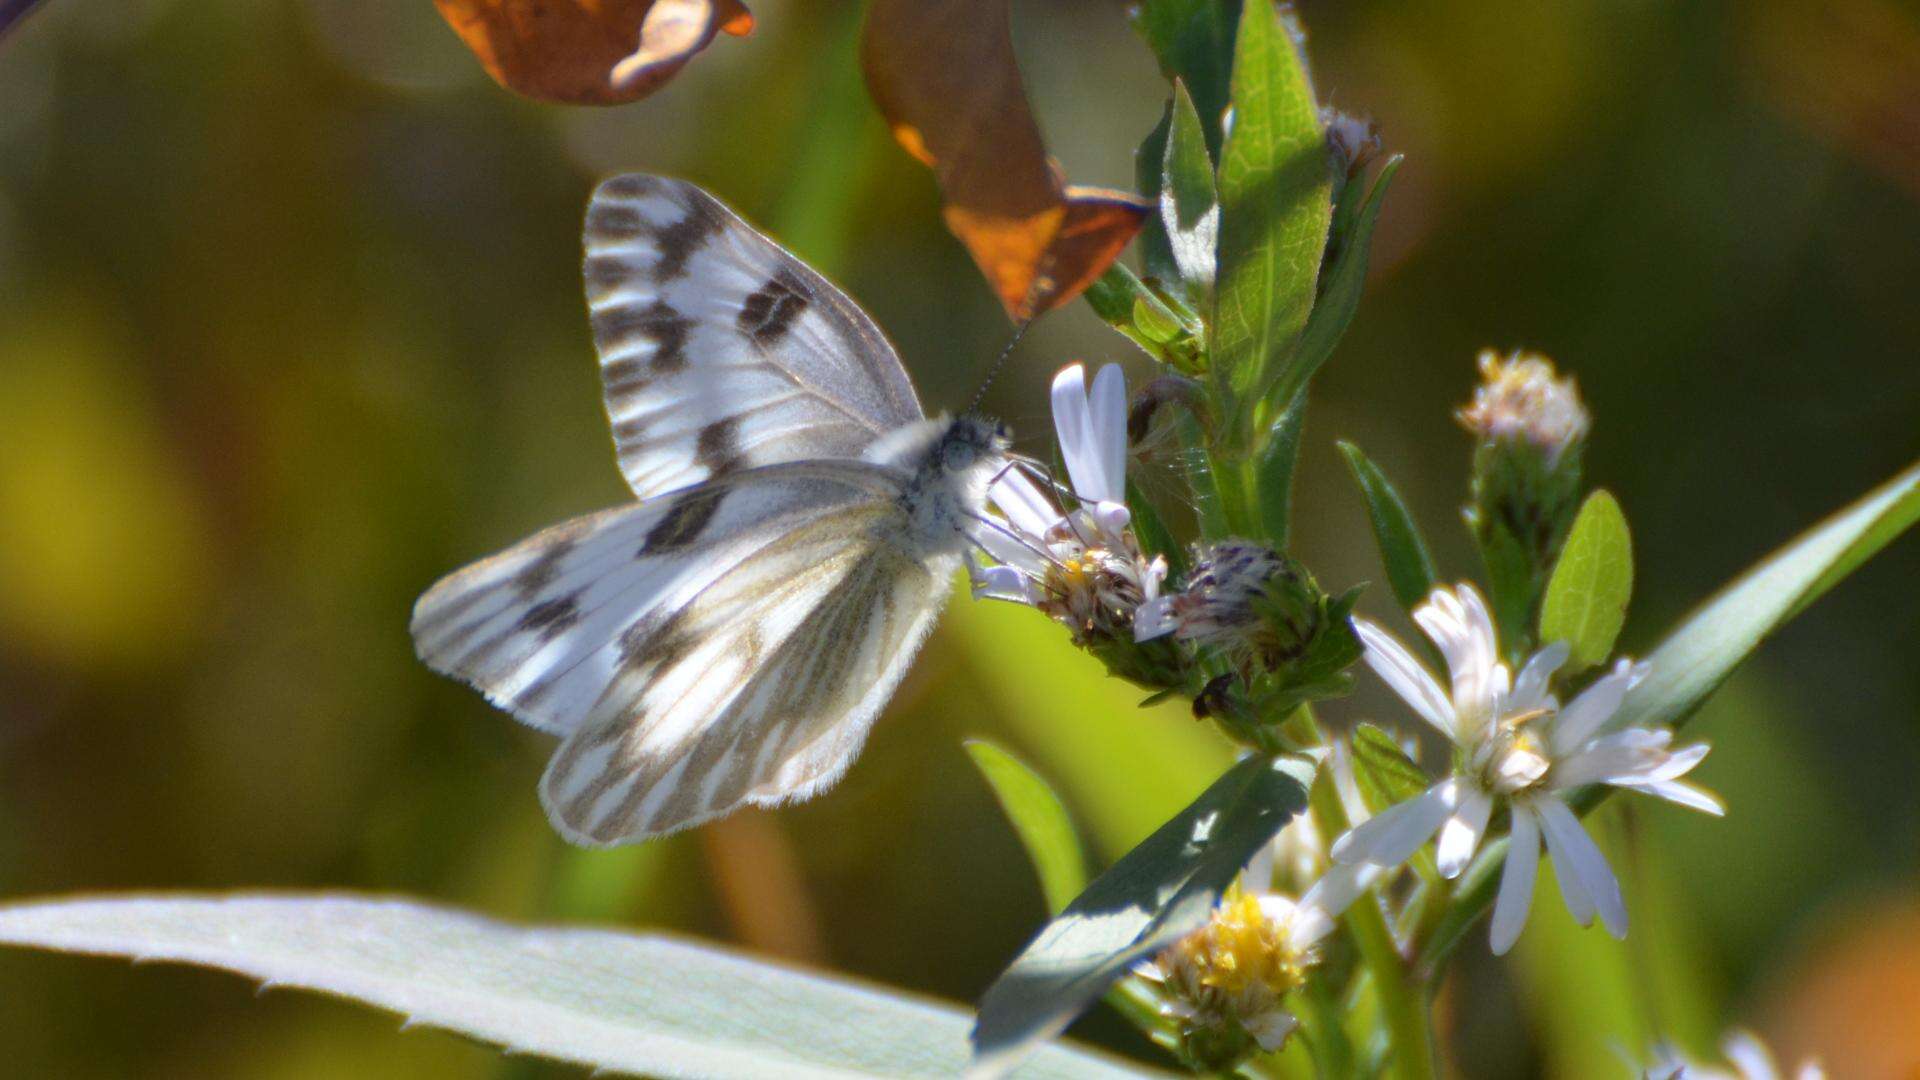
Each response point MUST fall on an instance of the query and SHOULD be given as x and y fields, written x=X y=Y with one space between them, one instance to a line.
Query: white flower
x=1748 y=1056
x=1256 y=949
x=1083 y=566
x=1514 y=742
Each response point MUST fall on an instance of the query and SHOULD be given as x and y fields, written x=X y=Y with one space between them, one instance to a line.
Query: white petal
x=1154 y=619
x=1107 y=407
x=1003 y=583
x=1577 y=858
x=1329 y=898
x=1584 y=715
x=1677 y=791
x=1680 y=762
x=1271 y=1028
x=1111 y=518
x=1073 y=424
x=1403 y=673
x=1747 y=1054
x=1460 y=836
x=1390 y=837
x=1530 y=686
x=1027 y=507
x=1516 y=881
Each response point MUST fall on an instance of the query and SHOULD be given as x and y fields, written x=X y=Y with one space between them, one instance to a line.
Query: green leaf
x=1510 y=584
x=1117 y=296
x=1149 y=168
x=1193 y=40
x=1340 y=287
x=1699 y=655
x=1156 y=894
x=1695 y=659
x=1387 y=776
x=1274 y=473
x=1189 y=205
x=1586 y=600
x=628 y=1003
x=1409 y=566
x=1040 y=819
x=1276 y=203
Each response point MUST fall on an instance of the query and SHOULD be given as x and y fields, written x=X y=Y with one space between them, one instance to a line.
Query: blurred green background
x=290 y=325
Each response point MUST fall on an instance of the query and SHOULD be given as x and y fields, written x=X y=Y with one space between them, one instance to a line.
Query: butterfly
x=730 y=638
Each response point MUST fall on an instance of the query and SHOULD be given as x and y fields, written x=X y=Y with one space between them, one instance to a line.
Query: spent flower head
x=1522 y=398
x=1515 y=745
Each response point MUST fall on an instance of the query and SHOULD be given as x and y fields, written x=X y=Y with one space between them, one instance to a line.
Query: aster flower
x=1515 y=744
x=1748 y=1057
x=1225 y=984
x=1081 y=565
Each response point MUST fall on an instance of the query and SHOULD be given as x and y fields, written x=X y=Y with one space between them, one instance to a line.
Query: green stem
x=1403 y=1001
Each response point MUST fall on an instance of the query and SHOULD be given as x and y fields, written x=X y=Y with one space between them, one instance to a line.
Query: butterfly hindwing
x=718 y=349
x=538 y=627
x=760 y=691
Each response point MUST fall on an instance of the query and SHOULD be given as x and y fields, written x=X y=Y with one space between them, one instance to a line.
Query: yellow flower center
x=1241 y=948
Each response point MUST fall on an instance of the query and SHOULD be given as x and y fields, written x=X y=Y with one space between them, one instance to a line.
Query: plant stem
x=1400 y=991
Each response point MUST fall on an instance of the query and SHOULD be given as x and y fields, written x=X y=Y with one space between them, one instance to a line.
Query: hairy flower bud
x=1530 y=428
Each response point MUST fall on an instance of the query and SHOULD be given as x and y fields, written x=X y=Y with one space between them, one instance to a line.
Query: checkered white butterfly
x=730 y=638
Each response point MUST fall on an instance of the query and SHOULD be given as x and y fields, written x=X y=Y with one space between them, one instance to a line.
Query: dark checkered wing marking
x=718 y=349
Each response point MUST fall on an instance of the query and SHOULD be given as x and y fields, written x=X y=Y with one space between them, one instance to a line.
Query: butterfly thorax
x=952 y=461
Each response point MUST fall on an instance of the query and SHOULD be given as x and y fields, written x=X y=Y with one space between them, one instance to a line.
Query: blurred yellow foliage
x=104 y=556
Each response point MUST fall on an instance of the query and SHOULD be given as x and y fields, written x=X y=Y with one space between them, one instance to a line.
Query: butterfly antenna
x=1019 y=331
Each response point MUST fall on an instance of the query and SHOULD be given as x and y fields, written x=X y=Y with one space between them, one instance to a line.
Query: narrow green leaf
x=1699 y=655
x=1586 y=600
x=1510 y=585
x=642 y=1004
x=1340 y=287
x=1695 y=659
x=1193 y=40
x=1149 y=167
x=1387 y=776
x=1274 y=473
x=1189 y=205
x=1039 y=818
x=1156 y=894
x=1276 y=202
x=1409 y=566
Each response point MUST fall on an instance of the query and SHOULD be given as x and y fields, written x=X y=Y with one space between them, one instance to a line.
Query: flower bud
x=1530 y=429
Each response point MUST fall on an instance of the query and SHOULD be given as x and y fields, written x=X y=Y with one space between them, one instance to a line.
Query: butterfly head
x=970 y=443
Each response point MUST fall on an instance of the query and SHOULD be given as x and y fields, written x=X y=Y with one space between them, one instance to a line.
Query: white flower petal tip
x=1390 y=837
x=1154 y=619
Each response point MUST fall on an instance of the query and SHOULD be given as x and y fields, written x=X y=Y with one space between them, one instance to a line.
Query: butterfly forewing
x=718 y=349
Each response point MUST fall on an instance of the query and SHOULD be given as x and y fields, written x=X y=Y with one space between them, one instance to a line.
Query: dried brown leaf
x=943 y=73
x=590 y=52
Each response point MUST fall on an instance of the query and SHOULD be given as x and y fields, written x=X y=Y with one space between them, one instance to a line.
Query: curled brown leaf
x=590 y=52
x=943 y=73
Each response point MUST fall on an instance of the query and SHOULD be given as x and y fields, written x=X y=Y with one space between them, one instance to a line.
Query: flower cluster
x=1081 y=564
x=1515 y=746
